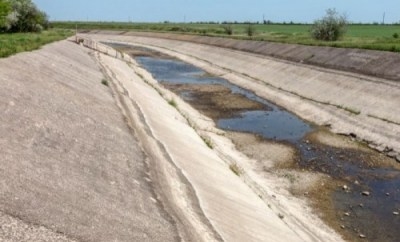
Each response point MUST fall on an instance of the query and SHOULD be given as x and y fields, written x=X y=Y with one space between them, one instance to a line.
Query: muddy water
x=368 y=199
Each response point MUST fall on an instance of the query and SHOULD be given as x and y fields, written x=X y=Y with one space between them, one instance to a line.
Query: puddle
x=237 y=109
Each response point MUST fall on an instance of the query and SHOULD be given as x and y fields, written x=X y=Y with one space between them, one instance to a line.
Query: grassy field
x=14 y=43
x=364 y=36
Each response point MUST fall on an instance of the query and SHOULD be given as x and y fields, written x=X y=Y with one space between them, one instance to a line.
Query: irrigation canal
x=365 y=197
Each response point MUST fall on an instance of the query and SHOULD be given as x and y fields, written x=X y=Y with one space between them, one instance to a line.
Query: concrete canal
x=362 y=199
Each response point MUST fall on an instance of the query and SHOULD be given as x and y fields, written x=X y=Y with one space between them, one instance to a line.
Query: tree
x=331 y=27
x=5 y=9
x=25 y=17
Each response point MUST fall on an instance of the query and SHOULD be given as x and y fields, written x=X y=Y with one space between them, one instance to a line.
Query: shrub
x=24 y=16
x=250 y=30
x=5 y=9
x=331 y=27
x=396 y=35
x=228 y=29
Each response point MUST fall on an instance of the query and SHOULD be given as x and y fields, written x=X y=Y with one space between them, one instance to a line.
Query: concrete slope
x=348 y=102
x=70 y=168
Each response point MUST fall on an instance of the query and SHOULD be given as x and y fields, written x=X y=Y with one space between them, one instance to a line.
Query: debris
x=381 y=148
x=366 y=193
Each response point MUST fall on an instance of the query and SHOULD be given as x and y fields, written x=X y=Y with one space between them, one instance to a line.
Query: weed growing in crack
x=104 y=82
x=173 y=103
x=236 y=169
x=208 y=142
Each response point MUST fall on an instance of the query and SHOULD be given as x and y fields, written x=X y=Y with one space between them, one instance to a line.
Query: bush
x=396 y=35
x=5 y=9
x=331 y=27
x=228 y=29
x=250 y=30
x=24 y=16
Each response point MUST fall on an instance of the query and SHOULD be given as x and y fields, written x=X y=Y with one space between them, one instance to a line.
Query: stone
x=388 y=149
x=366 y=193
x=392 y=154
x=347 y=214
x=381 y=148
x=362 y=236
x=372 y=146
x=398 y=158
x=395 y=213
x=342 y=226
x=345 y=187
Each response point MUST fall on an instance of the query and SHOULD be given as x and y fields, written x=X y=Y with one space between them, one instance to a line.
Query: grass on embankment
x=362 y=36
x=11 y=44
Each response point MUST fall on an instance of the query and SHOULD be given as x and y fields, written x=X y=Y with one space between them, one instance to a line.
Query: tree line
x=21 y=16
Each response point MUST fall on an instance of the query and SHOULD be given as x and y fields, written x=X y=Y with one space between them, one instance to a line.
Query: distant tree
x=25 y=17
x=331 y=27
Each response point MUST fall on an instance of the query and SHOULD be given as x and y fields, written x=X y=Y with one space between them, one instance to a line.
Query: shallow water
x=370 y=215
x=272 y=123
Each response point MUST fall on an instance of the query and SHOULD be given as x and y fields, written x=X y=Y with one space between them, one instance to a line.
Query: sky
x=304 y=11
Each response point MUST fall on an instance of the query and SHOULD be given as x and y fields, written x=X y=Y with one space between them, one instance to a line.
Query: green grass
x=11 y=44
x=363 y=36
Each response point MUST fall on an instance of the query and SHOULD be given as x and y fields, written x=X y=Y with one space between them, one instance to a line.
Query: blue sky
x=218 y=10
